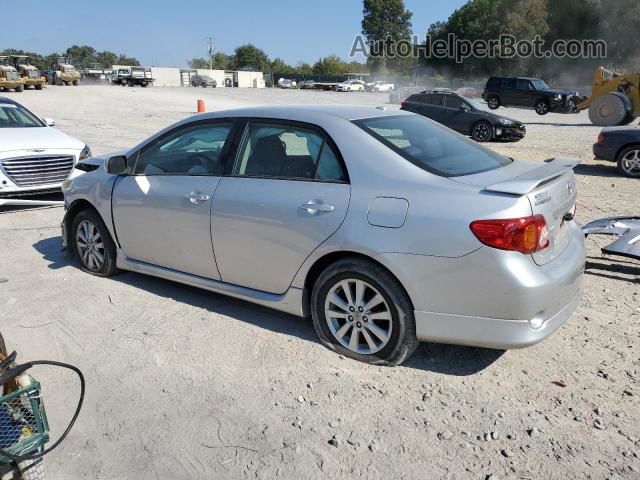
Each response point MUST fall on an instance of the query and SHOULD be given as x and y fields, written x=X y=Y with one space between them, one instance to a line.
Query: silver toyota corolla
x=384 y=226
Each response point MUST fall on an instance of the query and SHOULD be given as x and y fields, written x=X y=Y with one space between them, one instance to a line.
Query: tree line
x=614 y=21
x=250 y=57
x=80 y=56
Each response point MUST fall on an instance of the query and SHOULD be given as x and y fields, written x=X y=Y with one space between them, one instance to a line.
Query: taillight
x=601 y=138
x=525 y=235
x=403 y=104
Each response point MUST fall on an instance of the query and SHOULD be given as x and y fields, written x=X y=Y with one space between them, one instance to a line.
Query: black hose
x=22 y=458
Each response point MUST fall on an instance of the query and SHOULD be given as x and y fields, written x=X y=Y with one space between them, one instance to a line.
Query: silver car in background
x=384 y=226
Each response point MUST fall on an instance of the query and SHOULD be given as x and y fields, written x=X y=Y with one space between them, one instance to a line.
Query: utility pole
x=210 y=49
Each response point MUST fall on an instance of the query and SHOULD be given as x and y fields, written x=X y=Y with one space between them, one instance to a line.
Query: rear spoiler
x=554 y=168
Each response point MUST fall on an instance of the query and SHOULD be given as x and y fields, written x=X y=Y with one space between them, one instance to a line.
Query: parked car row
x=352 y=85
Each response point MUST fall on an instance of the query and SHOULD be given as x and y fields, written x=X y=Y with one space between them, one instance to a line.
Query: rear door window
x=273 y=150
x=434 y=99
x=508 y=83
x=523 y=84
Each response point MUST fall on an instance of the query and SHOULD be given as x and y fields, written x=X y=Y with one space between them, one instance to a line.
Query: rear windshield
x=431 y=146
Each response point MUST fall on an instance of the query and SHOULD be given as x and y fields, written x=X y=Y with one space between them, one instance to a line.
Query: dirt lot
x=187 y=384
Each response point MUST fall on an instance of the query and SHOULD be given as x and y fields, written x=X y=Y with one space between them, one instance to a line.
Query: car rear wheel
x=629 y=161
x=361 y=311
x=482 y=132
x=493 y=103
x=542 y=107
x=92 y=244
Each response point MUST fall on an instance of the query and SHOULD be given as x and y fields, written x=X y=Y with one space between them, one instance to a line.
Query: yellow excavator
x=614 y=100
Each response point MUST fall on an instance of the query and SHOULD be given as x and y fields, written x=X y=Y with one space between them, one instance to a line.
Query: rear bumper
x=489 y=332
x=605 y=152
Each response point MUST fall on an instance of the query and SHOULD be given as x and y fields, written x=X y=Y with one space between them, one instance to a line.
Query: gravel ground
x=183 y=383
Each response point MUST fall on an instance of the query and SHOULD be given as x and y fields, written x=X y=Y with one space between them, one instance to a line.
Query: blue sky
x=169 y=32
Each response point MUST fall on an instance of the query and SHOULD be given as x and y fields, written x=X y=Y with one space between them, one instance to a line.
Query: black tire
x=19 y=88
x=39 y=86
x=76 y=83
x=108 y=266
x=628 y=119
x=482 y=131
x=402 y=340
x=493 y=102
x=608 y=110
x=542 y=107
x=623 y=161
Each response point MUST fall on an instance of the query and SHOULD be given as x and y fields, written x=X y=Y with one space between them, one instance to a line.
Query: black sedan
x=465 y=116
x=620 y=145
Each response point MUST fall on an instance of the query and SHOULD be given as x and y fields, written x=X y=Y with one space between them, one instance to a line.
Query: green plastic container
x=23 y=422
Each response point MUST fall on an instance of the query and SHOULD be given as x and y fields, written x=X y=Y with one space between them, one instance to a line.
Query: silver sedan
x=384 y=226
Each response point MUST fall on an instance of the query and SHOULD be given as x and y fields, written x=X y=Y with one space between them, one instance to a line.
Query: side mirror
x=117 y=165
x=465 y=107
x=49 y=122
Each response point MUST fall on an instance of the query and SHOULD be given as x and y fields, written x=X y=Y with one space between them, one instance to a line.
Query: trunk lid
x=550 y=188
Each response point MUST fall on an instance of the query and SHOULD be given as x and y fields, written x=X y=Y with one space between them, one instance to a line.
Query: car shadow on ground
x=446 y=359
x=604 y=170
x=613 y=269
x=555 y=124
x=52 y=197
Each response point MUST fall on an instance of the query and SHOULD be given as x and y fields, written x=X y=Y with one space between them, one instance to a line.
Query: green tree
x=304 y=68
x=198 y=62
x=331 y=65
x=124 y=60
x=280 y=66
x=250 y=56
x=81 y=55
x=222 y=61
x=619 y=28
x=384 y=21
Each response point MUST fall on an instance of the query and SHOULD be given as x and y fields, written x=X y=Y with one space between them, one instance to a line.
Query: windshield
x=431 y=146
x=15 y=116
x=476 y=104
x=539 y=84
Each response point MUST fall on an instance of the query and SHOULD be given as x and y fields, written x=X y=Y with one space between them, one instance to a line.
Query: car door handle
x=196 y=198
x=314 y=206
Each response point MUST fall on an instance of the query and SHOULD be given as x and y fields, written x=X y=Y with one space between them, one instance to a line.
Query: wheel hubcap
x=631 y=162
x=90 y=246
x=542 y=108
x=481 y=132
x=358 y=316
x=493 y=102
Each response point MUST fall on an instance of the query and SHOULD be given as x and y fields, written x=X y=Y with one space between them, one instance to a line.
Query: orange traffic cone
x=201 y=106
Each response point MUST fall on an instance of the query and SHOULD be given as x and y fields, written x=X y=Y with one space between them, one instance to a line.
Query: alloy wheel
x=630 y=163
x=90 y=245
x=481 y=132
x=358 y=316
x=493 y=103
x=542 y=108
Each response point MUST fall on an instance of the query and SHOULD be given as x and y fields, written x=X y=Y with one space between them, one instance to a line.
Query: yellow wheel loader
x=9 y=76
x=614 y=100
x=30 y=75
x=64 y=73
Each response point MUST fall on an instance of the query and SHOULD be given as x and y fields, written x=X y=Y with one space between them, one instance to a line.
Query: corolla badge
x=542 y=198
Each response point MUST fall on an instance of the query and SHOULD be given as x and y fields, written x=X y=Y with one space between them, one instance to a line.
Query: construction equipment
x=93 y=74
x=9 y=76
x=614 y=100
x=30 y=75
x=64 y=73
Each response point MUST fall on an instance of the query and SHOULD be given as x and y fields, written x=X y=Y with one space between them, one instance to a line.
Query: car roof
x=515 y=77
x=302 y=112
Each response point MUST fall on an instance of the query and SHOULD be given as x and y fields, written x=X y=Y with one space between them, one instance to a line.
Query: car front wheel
x=542 y=107
x=361 y=311
x=629 y=161
x=92 y=244
x=482 y=132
